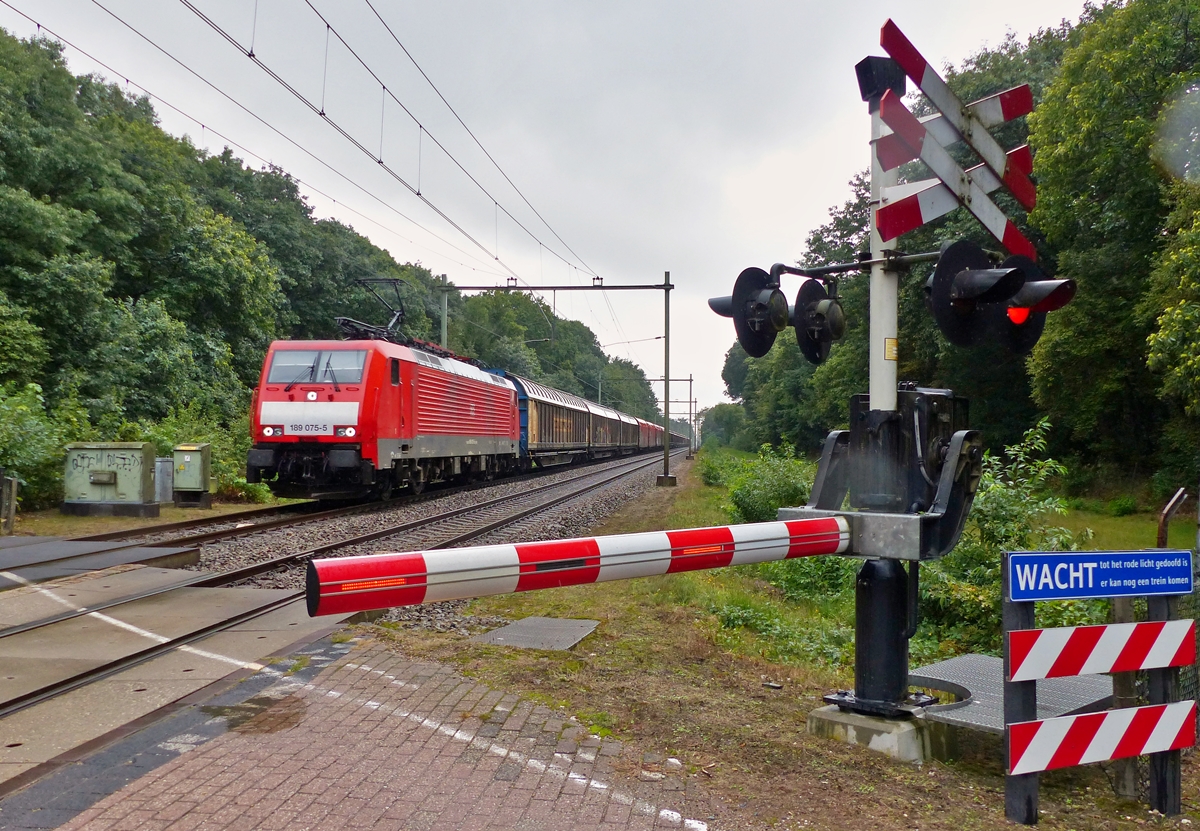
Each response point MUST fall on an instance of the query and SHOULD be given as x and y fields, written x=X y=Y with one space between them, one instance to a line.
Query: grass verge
x=662 y=674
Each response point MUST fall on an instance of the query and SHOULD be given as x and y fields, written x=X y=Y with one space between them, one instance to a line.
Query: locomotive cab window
x=308 y=366
x=395 y=372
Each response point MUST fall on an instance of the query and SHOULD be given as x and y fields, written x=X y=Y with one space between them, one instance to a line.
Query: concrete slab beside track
x=37 y=735
x=39 y=559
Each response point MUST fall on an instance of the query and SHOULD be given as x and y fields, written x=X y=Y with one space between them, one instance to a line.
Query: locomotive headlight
x=268 y=431
x=350 y=431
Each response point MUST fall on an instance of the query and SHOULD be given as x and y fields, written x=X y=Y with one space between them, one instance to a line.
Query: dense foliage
x=1114 y=141
x=142 y=279
x=960 y=593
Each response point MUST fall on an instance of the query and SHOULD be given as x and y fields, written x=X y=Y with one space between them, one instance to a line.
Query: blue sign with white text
x=1080 y=575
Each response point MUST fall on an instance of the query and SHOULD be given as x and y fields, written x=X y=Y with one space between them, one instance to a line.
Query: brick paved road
x=380 y=742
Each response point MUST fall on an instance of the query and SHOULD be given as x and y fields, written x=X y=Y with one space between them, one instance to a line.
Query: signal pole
x=883 y=591
x=666 y=479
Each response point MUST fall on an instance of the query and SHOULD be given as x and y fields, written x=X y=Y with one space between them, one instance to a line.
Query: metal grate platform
x=540 y=633
x=981 y=677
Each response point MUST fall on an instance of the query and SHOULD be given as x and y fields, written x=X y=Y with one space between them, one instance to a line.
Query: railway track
x=441 y=530
x=258 y=520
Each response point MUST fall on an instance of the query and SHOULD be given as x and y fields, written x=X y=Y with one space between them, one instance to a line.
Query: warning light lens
x=1018 y=315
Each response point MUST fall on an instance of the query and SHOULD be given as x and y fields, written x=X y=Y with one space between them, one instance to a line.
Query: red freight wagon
x=345 y=419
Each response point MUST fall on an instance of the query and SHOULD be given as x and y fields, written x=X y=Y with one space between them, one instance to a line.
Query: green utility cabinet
x=109 y=479
x=192 y=475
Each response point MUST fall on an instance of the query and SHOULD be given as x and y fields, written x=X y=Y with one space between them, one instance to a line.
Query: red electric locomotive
x=356 y=418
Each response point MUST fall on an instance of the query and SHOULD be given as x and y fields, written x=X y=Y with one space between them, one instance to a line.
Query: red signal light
x=1018 y=314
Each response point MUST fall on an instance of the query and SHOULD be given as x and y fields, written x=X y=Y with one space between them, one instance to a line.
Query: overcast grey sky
x=692 y=137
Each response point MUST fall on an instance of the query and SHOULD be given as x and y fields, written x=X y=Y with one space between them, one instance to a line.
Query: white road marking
x=129 y=627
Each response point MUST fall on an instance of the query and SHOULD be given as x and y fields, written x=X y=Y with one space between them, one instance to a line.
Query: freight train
x=352 y=419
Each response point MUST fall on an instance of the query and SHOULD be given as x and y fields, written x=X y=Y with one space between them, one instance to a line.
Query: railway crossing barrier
x=1159 y=646
x=381 y=581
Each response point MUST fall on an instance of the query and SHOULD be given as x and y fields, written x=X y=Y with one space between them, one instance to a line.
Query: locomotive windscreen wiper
x=329 y=370
x=309 y=370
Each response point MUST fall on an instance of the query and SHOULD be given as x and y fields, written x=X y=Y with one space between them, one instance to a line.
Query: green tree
x=1102 y=208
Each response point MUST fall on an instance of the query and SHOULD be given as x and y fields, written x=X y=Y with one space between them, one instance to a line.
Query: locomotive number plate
x=308 y=429
x=309 y=418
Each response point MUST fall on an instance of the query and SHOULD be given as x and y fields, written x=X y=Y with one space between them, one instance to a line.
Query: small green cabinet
x=193 y=471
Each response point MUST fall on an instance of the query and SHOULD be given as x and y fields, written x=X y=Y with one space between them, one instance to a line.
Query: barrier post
x=1166 y=768
x=1020 y=704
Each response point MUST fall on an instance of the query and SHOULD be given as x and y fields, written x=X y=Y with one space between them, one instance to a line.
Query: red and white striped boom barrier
x=382 y=581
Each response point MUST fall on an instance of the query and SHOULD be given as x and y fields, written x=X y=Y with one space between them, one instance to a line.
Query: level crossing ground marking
x=554 y=768
x=136 y=630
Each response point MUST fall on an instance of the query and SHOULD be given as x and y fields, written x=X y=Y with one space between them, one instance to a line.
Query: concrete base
x=139 y=509
x=192 y=499
x=665 y=481
x=909 y=740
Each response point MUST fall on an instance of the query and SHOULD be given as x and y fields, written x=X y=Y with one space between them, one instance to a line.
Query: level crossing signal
x=760 y=311
x=974 y=299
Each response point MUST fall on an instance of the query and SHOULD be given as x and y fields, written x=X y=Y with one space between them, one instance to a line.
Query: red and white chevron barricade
x=382 y=581
x=1158 y=646
x=1087 y=650
x=1034 y=746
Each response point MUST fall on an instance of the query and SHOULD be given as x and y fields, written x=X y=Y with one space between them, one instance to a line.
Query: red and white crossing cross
x=381 y=581
x=909 y=206
x=969 y=194
x=961 y=118
x=991 y=111
x=1067 y=741
x=1088 y=650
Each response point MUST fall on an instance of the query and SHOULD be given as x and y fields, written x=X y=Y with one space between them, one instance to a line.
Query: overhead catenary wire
x=299 y=96
x=363 y=63
x=265 y=161
x=478 y=143
x=345 y=133
x=387 y=205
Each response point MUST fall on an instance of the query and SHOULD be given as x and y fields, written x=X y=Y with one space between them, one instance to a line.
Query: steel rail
x=230 y=576
x=111 y=668
x=304 y=516
x=162 y=528
x=86 y=677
